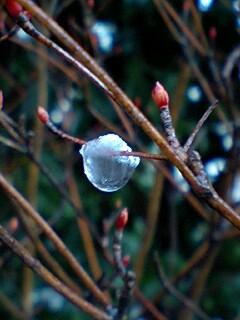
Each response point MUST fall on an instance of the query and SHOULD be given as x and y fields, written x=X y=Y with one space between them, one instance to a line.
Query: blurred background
x=192 y=48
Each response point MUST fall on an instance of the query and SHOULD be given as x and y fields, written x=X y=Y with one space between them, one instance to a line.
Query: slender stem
x=29 y=28
x=10 y=33
x=169 y=23
x=14 y=195
x=63 y=134
x=60 y=133
x=88 y=242
x=198 y=23
x=11 y=308
x=42 y=250
x=199 y=284
x=186 y=31
x=60 y=65
x=143 y=155
x=125 y=121
x=117 y=94
x=48 y=277
x=149 y=305
x=198 y=127
x=78 y=141
x=177 y=294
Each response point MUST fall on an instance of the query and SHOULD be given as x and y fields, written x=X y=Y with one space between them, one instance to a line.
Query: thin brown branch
x=11 y=308
x=125 y=121
x=32 y=232
x=48 y=277
x=143 y=155
x=68 y=71
x=88 y=243
x=198 y=127
x=199 y=283
x=188 y=303
x=149 y=305
x=15 y=196
x=169 y=23
x=197 y=19
x=231 y=62
x=182 y=26
x=212 y=199
x=177 y=101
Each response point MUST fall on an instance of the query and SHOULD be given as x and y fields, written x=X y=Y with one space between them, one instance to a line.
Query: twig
x=125 y=121
x=187 y=32
x=177 y=294
x=67 y=70
x=44 y=117
x=172 y=28
x=33 y=176
x=198 y=23
x=179 y=92
x=127 y=276
x=193 y=262
x=230 y=63
x=62 y=134
x=63 y=250
x=10 y=33
x=214 y=200
x=39 y=246
x=90 y=249
x=143 y=155
x=200 y=282
x=48 y=277
x=192 y=137
x=195 y=69
x=148 y=305
x=13 y=130
x=29 y=28
x=11 y=144
x=106 y=123
x=203 y=81
x=126 y=293
x=10 y=307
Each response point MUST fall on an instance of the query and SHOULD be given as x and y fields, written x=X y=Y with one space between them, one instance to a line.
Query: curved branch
x=212 y=198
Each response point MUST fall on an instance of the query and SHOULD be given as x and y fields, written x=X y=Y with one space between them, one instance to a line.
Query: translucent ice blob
x=104 y=165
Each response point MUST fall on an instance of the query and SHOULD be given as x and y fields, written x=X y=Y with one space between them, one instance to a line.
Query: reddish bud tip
x=125 y=261
x=186 y=5
x=43 y=115
x=160 y=96
x=122 y=219
x=91 y=4
x=13 y=8
x=138 y=102
x=212 y=33
x=13 y=225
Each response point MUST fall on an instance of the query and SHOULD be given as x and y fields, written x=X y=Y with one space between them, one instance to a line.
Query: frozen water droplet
x=104 y=167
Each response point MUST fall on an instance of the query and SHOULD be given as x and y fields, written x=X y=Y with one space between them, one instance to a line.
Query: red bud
x=160 y=96
x=13 y=8
x=125 y=261
x=13 y=224
x=122 y=219
x=90 y=3
x=186 y=5
x=213 y=33
x=43 y=115
x=138 y=102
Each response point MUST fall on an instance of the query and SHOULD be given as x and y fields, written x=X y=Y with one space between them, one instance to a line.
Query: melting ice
x=103 y=165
